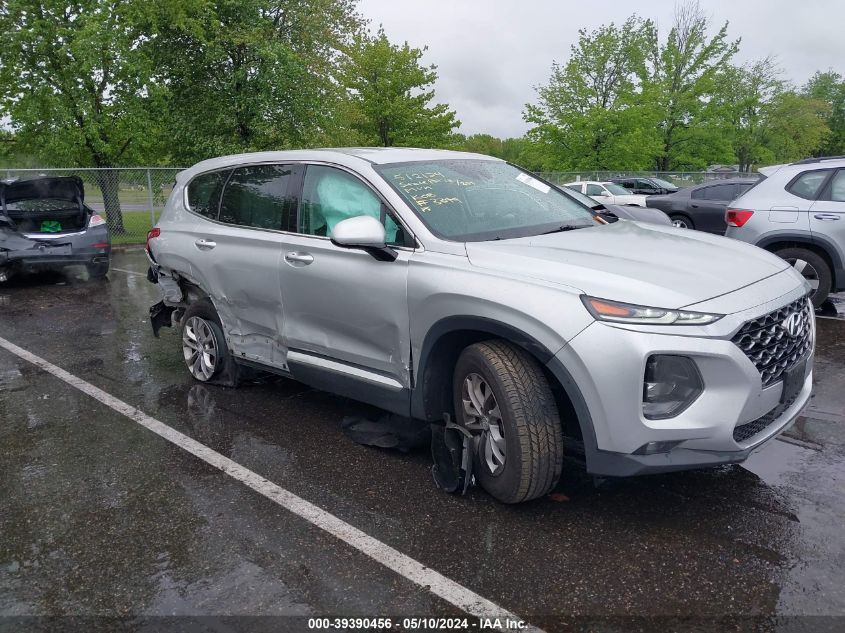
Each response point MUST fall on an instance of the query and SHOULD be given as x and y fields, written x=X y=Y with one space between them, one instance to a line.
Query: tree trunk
x=109 y=182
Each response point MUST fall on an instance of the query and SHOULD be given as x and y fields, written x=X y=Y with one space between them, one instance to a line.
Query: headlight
x=618 y=312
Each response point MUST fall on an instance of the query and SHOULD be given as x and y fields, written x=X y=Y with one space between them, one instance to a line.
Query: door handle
x=827 y=217
x=298 y=259
x=694 y=206
x=205 y=244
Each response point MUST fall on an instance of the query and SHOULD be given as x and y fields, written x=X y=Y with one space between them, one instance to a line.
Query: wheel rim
x=483 y=418
x=681 y=224
x=199 y=346
x=807 y=270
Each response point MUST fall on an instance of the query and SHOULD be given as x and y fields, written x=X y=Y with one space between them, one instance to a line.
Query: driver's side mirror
x=364 y=232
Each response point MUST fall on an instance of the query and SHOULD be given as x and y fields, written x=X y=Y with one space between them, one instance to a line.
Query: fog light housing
x=651 y=448
x=670 y=385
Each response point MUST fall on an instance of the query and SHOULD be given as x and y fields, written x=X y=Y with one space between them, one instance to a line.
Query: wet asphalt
x=100 y=517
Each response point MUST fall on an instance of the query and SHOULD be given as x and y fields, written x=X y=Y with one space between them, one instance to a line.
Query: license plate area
x=52 y=251
x=793 y=381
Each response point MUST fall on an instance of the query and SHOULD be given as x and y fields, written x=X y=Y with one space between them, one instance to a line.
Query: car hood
x=646 y=264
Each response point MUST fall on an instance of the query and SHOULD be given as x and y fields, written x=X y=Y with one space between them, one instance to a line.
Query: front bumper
x=607 y=364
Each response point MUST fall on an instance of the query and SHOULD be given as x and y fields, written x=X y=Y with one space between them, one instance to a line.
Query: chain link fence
x=678 y=178
x=131 y=199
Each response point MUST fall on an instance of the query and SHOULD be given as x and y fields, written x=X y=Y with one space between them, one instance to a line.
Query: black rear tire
x=813 y=268
x=530 y=422
x=682 y=221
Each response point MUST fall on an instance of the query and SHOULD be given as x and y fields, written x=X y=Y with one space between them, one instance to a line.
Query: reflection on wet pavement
x=102 y=517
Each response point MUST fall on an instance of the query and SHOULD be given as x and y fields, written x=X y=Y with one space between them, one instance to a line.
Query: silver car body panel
x=342 y=320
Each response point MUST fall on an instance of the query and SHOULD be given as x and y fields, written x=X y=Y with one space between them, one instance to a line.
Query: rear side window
x=720 y=193
x=808 y=184
x=837 y=187
x=204 y=193
x=257 y=196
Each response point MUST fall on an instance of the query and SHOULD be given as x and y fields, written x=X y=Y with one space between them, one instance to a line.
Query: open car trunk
x=44 y=205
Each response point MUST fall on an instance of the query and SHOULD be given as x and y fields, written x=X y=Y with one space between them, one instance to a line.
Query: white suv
x=430 y=283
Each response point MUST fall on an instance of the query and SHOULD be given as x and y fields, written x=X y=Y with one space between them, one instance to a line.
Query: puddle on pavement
x=776 y=461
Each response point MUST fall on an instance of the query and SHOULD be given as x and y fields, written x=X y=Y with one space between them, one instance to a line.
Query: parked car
x=45 y=224
x=617 y=211
x=647 y=186
x=701 y=207
x=606 y=192
x=797 y=211
x=432 y=282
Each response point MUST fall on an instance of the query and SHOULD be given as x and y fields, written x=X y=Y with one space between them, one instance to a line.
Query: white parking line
x=129 y=272
x=442 y=587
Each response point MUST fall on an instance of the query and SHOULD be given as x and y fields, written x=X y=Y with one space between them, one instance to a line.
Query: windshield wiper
x=560 y=229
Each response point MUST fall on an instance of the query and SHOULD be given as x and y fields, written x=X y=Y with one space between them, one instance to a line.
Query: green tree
x=682 y=78
x=745 y=104
x=796 y=126
x=830 y=87
x=508 y=149
x=589 y=115
x=78 y=87
x=249 y=75
x=391 y=93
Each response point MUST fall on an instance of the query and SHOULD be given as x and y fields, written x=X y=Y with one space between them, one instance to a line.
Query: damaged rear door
x=346 y=313
x=239 y=256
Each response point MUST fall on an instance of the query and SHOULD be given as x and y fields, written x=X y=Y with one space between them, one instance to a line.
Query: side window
x=256 y=196
x=330 y=195
x=837 y=187
x=645 y=184
x=699 y=194
x=204 y=193
x=595 y=190
x=807 y=185
x=720 y=193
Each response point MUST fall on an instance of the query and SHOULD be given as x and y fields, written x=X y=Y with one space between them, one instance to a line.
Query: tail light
x=737 y=217
x=155 y=232
x=96 y=220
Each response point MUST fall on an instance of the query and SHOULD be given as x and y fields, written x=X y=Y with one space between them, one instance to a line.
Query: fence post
x=150 y=193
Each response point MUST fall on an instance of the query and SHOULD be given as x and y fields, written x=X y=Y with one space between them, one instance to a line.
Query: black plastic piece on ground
x=451 y=450
x=160 y=316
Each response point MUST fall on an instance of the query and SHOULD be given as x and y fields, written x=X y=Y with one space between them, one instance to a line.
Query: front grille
x=770 y=347
x=745 y=431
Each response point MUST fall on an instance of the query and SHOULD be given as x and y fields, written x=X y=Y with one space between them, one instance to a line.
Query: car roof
x=725 y=181
x=347 y=156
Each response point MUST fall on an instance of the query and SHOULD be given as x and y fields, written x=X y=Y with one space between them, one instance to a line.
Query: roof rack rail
x=817 y=159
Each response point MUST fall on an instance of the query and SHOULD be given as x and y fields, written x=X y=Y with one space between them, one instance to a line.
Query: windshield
x=477 y=200
x=616 y=190
x=665 y=184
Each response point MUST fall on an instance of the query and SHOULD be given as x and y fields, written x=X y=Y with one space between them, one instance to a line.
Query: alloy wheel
x=199 y=347
x=483 y=418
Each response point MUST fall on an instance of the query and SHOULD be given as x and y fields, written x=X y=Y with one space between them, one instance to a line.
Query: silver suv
x=797 y=211
x=432 y=283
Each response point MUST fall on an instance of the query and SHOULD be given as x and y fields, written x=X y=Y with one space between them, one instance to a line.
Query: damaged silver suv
x=431 y=283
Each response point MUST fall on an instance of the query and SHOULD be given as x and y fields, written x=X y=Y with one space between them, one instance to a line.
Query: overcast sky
x=491 y=53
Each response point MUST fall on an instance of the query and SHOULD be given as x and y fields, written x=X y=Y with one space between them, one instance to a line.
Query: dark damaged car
x=46 y=225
